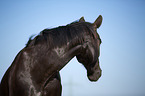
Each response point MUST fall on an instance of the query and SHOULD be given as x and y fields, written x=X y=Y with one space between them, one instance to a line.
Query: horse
x=35 y=69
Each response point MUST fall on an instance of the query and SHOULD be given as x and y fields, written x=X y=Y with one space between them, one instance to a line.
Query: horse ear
x=82 y=19
x=98 y=22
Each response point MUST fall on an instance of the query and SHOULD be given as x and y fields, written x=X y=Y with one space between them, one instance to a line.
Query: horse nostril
x=99 y=73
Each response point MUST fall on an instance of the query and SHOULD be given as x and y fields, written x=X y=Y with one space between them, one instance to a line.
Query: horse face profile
x=89 y=55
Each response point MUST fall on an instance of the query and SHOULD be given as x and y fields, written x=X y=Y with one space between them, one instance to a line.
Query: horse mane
x=59 y=36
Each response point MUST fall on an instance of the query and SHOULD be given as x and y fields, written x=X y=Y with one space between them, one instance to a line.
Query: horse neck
x=71 y=48
x=52 y=60
x=65 y=54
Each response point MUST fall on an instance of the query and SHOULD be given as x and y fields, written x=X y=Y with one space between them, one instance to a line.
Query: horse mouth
x=94 y=77
x=95 y=74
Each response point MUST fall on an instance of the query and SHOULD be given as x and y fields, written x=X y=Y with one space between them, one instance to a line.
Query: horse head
x=89 y=55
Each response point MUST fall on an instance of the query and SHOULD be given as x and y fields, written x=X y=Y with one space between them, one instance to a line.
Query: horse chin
x=94 y=77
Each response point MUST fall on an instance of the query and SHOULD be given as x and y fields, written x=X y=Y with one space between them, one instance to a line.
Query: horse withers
x=35 y=70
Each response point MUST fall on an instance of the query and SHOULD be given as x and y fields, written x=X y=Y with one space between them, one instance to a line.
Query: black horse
x=35 y=70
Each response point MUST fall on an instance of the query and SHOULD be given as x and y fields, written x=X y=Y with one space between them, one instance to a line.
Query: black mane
x=61 y=35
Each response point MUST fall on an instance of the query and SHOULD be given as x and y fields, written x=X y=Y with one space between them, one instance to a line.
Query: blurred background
x=122 y=32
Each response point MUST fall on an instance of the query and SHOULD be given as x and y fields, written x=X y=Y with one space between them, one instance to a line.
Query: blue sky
x=122 y=32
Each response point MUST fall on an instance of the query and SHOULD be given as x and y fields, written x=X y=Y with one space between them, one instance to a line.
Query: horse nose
x=95 y=76
x=99 y=73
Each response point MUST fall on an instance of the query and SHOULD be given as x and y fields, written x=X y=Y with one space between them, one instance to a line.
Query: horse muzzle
x=94 y=73
x=95 y=76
